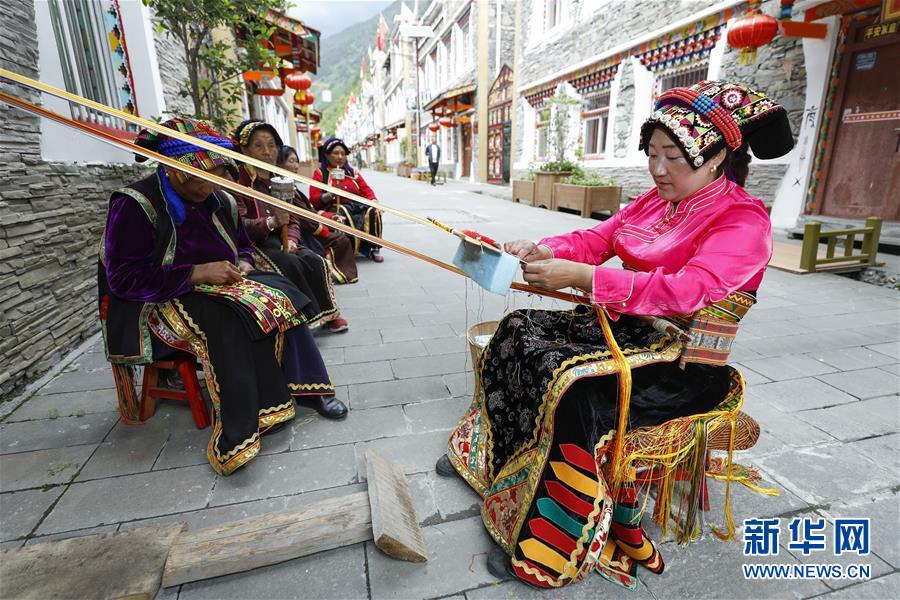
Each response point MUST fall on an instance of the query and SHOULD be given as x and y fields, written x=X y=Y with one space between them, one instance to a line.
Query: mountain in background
x=341 y=58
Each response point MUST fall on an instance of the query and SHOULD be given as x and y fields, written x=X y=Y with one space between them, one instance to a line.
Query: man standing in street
x=433 y=152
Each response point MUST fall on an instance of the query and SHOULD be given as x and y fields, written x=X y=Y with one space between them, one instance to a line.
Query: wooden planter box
x=543 y=186
x=586 y=199
x=523 y=190
x=404 y=170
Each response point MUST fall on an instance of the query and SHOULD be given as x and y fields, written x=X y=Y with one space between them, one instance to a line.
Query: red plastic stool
x=187 y=367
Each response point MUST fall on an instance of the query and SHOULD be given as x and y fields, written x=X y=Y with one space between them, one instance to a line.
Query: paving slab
x=21 y=511
x=877 y=566
x=857 y=420
x=788 y=367
x=185 y=448
x=876 y=589
x=403 y=391
x=455 y=498
x=416 y=453
x=883 y=511
x=864 y=383
x=52 y=466
x=124 y=457
x=715 y=566
x=439 y=346
x=359 y=354
x=826 y=474
x=79 y=381
x=337 y=574
x=848 y=359
x=287 y=473
x=65 y=535
x=892 y=369
x=461 y=384
x=55 y=433
x=457 y=554
x=883 y=449
x=359 y=425
x=800 y=394
x=118 y=499
x=436 y=415
x=780 y=431
x=353 y=337
x=751 y=377
x=404 y=334
x=592 y=587
x=891 y=349
x=332 y=356
x=367 y=372
x=66 y=404
x=421 y=488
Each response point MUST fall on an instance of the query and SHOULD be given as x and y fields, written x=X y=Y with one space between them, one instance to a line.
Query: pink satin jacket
x=717 y=241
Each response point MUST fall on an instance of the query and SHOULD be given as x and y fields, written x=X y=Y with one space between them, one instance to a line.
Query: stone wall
x=51 y=217
x=170 y=56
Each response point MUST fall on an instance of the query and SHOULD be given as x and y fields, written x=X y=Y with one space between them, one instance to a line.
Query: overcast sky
x=332 y=16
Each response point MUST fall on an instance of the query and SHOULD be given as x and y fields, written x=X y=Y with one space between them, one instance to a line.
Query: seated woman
x=306 y=269
x=332 y=245
x=176 y=271
x=334 y=169
x=537 y=442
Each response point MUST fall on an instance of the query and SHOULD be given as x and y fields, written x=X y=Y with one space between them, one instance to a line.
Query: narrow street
x=820 y=354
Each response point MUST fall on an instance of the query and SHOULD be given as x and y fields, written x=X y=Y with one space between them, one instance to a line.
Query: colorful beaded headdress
x=187 y=153
x=710 y=115
x=245 y=130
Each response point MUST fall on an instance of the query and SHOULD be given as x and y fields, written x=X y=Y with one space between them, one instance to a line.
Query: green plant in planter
x=591 y=179
x=563 y=165
x=526 y=176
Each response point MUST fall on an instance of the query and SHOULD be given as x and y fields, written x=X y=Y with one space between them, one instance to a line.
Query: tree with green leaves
x=214 y=83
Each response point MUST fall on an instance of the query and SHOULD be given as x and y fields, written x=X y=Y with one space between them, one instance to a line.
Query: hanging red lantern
x=303 y=98
x=298 y=81
x=314 y=131
x=751 y=32
x=434 y=127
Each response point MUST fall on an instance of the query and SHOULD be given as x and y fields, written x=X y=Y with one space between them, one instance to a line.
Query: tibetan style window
x=92 y=55
x=683 y=78
x=595 y=120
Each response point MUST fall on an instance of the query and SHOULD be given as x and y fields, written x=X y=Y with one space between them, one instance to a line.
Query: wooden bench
x=811 y=261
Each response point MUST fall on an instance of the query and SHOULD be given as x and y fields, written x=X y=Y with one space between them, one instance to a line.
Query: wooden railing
x=813 y=234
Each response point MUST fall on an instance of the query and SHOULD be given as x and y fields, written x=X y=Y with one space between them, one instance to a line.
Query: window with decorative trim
x=93 y=58
x=682 y=78
x=595 y=119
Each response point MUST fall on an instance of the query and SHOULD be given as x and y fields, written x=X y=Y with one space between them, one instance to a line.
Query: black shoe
x=444 y=468
x=499 y=564
x=274 y=428
x=327 y=406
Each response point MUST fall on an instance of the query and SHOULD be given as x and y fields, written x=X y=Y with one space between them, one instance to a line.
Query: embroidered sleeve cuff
x=612 y=287
x=558 y=247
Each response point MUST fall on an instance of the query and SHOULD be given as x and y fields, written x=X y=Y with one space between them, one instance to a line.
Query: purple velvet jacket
x=131 y=268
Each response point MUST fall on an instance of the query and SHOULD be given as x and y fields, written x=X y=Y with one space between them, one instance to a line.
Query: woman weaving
x=538 y=440
x=176 y=272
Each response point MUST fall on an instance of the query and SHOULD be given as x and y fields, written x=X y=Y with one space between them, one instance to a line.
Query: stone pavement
x=821 y=355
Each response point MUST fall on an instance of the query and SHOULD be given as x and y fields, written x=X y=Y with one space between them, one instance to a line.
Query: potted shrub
x=523 y=188
x=550 y=174
x=587 y=193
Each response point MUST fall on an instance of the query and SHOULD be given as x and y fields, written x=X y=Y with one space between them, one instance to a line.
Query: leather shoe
x=499 y=564
x=327 y=406
x=274 y=428
x=444 y=467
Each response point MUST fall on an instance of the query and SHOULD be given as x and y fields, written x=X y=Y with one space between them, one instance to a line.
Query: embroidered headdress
x=245 y=131
x=711 y=115
x=186 y=153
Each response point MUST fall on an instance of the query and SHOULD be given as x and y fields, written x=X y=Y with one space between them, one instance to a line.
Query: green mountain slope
x=340 y=61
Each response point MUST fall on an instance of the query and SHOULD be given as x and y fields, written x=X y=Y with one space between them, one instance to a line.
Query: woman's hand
x=327 y=198
x=292 y=246
x=216 y=273
x=556 y=274
x=244 y=266
x=528 y=251
x=279 y=218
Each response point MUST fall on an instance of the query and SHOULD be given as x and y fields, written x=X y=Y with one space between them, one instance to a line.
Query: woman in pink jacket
x=543 y=418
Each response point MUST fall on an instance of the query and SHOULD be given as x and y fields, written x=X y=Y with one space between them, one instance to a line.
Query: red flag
x=382 y=33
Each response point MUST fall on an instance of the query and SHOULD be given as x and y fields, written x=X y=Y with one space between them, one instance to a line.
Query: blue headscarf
x=326 y=147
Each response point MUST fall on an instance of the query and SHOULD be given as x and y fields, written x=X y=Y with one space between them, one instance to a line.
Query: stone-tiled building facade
x=55 y=184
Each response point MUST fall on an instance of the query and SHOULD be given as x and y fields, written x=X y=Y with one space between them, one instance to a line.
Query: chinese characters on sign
x=762 y=536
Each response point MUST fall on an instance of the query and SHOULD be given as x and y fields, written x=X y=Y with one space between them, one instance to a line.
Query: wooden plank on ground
x=786 y=257
x=106 y=565
x=269 y=539
x=395 y=526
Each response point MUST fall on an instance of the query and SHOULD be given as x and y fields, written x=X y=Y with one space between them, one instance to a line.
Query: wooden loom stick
x=246 y=191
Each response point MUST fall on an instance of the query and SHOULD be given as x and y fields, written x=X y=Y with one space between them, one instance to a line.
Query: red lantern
x=434 y=127
x=314 y=131
x=751 y=32
x=298 y=81
x=302 y=98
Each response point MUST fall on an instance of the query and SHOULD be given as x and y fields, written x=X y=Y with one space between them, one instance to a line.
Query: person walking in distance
x=433 y=152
